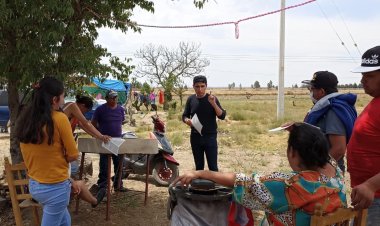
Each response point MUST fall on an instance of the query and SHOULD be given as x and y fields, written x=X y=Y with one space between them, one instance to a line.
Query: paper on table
x=197 y=124
x=113 y=145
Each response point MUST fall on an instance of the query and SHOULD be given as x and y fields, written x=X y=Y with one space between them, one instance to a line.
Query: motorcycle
x=163 y=166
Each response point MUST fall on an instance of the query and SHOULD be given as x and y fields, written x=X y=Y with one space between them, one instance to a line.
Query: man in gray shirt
x=334 y=113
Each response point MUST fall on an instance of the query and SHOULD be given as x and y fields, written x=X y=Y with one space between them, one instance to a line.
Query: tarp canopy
x=97 y=88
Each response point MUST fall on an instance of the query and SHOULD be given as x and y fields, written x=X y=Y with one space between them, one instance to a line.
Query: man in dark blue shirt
x=206 y=107
x=108 y=118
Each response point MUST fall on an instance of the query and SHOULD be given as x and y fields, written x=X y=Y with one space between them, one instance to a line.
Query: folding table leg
x=108 y=187
x=146 y=179
x=120 y=171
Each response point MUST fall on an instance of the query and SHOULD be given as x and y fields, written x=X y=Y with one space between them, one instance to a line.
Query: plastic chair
x=340 y=217
x=18 y=183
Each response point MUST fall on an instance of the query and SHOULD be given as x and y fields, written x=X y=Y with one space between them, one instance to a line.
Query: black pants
x=103 y=166
x=206 y=144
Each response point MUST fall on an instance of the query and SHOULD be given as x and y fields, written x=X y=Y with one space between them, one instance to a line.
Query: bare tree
x=168 y=67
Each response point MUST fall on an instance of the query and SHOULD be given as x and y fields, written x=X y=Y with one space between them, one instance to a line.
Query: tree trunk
x=181 y=98
x=167 y=99
x=13 y=103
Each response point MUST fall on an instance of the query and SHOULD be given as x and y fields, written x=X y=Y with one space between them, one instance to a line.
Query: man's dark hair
x=330 y=90
x=200 y=78
x=310 y=143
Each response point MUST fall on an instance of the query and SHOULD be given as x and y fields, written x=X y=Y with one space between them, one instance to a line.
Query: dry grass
x=244 y=141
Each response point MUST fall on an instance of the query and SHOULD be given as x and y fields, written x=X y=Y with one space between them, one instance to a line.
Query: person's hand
x=75 y=187
x=186 y=178
x=211 y=99
x=188 y=122
x=287 y=126
x=105 y=138
x=362 y=196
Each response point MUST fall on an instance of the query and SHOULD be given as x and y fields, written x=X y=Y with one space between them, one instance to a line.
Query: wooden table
x=129 y=146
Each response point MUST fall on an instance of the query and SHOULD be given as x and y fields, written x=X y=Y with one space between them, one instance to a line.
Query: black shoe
x=94 y=189
x=100 y=196
x=121 y=189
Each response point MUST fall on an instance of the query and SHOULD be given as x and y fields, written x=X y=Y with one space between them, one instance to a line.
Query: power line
x=336 y=33
x=341 y=17
x=247 y=57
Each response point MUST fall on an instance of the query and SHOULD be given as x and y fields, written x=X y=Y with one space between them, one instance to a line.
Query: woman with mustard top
x=47 y=146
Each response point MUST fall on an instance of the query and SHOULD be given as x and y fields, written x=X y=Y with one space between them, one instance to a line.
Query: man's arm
x=94 y=120
x=337 y=146
x=186 y=113
x=122 y=115
x=362 y=195
x=336 y=134
x=219 y=111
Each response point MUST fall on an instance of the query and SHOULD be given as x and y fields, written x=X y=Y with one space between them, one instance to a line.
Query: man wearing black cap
x=363 y=150
x=334 y=113
x=206 y=107
x=108 y=118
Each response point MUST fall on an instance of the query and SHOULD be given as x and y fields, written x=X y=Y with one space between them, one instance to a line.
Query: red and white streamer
x=236 y=23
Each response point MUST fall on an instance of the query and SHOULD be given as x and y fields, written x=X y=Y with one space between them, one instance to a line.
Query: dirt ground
x=127 y=208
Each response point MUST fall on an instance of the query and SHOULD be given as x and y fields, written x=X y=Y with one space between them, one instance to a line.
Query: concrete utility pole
x=280 y=95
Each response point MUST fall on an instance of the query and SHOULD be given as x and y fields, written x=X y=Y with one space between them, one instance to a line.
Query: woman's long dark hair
x=29 y=126
x=310 y=143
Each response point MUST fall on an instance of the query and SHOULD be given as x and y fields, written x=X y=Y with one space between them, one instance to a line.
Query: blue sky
x=311 y=42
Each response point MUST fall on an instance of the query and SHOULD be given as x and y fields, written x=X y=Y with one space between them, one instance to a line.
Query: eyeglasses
x=199 y=86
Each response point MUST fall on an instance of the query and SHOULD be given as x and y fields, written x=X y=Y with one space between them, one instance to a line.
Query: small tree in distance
x=231 y=86
x=270 y=84
x=256 y=85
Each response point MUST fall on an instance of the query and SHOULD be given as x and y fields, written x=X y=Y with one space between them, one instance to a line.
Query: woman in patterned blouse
x=288 y=198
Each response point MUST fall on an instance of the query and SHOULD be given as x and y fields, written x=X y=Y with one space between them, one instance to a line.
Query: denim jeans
x=373 y=217
x=54 y=199
x=201 y=145
x=74 y=167
x=103 y=167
